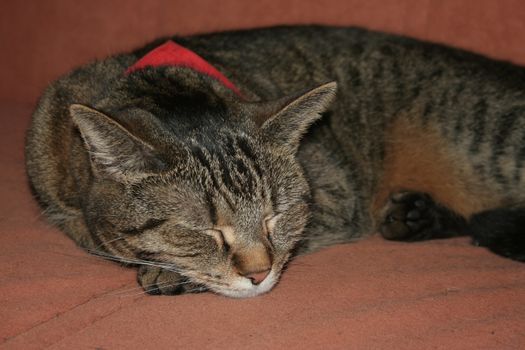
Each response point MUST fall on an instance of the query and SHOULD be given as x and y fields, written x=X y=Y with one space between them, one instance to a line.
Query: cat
x=210 y=174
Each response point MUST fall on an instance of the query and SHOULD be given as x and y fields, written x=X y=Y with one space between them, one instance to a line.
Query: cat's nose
x=258 y=277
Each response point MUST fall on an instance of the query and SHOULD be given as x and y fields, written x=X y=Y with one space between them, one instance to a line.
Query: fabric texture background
x=372 y=294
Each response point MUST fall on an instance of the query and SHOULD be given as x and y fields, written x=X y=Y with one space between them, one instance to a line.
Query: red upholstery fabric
x=372 y=294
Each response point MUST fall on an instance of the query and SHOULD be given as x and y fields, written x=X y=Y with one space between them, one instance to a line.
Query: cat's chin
x=243 y=287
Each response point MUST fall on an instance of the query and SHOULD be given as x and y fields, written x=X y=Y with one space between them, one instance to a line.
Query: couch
x=373 y=294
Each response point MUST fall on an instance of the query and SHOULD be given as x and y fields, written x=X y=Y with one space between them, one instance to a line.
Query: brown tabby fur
x=169 y=170
x=419 y=159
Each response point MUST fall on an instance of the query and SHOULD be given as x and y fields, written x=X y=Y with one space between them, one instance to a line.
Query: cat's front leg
x=158 y=281
x=415 y=216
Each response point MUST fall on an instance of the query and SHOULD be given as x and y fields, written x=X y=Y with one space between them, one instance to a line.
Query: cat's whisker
x=166 y=266
x=143 y=292
x=138 y=288
x=115 y=258
x=163 y=284
x=93 y=258
x=103 y=243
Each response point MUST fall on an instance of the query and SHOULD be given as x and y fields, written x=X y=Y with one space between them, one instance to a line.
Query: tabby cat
x=212 y=173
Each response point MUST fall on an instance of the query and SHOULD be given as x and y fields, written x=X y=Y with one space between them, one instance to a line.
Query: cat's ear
x=292 y=116
x=114 y=150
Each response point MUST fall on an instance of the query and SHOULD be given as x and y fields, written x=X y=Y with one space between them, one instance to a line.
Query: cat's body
x=407 y=116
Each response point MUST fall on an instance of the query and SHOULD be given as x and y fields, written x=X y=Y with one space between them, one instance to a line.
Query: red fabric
x=172 y=54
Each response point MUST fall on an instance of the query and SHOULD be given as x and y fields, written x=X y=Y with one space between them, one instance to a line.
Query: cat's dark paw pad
x=157 y=281
x=407 y=216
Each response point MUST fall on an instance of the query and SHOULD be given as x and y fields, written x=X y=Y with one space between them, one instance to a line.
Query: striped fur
x=167 y=169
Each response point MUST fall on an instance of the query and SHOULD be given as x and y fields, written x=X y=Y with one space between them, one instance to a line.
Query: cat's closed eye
x=269 y=225
x=218 y=236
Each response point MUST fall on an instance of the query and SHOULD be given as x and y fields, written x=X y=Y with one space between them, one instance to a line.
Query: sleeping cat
x=208 y=161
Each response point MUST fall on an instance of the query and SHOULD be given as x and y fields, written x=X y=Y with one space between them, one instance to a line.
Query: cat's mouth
x=242 y=287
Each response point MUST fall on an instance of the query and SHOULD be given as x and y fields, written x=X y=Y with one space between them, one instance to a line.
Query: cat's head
x=206 y=185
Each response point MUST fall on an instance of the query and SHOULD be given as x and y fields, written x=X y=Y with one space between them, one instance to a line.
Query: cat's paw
x=408 y=216
x=157 y=281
